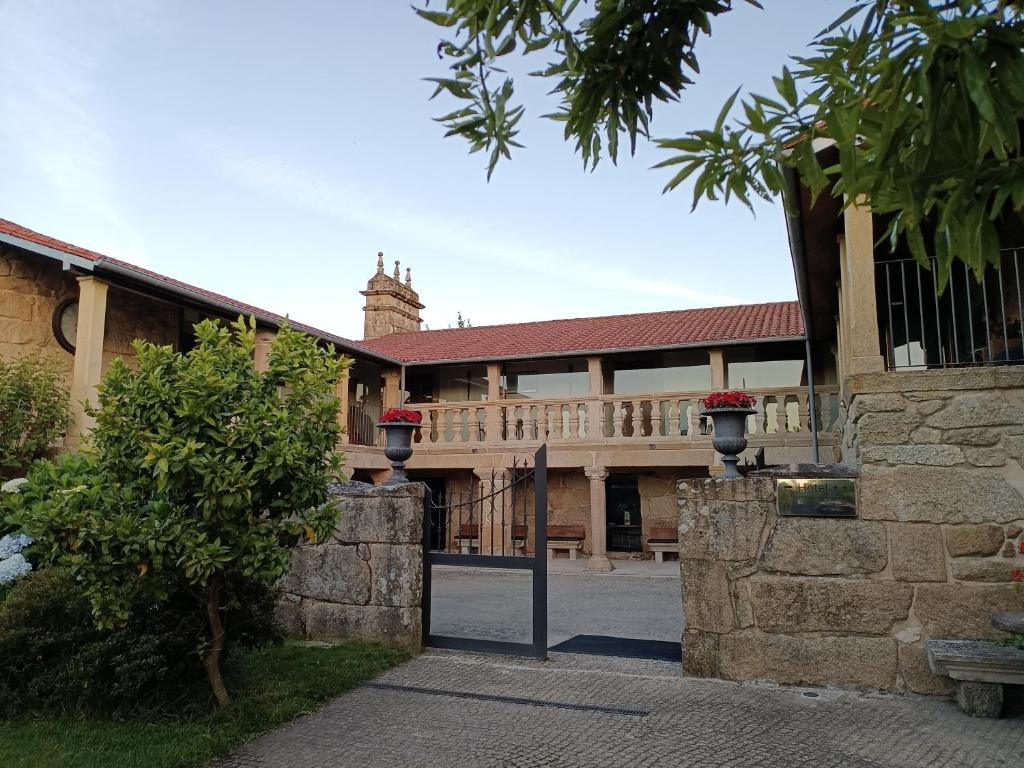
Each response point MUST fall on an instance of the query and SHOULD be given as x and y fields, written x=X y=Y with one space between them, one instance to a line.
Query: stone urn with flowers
x=729 y=411
x=399 y=424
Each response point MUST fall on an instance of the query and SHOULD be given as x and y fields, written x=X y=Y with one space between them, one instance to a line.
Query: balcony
x=783 y=416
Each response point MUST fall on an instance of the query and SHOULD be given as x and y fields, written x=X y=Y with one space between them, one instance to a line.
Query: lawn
x=269 y=686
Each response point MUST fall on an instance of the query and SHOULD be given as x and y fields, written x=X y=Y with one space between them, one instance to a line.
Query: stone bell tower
x=391 y=305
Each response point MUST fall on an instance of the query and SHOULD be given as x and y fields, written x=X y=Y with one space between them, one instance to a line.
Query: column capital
x=596 y=473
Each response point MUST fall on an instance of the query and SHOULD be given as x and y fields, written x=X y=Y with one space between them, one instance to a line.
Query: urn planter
x=398 y=448
x=730 y=436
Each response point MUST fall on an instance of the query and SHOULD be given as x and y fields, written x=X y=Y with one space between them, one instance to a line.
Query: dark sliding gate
x=489 y=527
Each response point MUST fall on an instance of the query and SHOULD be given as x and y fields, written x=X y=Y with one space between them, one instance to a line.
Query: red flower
x=401 y=416
x=729 y=399
x=1020 y=546
x=1018 y=574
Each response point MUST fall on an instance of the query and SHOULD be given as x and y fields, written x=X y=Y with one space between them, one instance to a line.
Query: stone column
x=492 y=411
x=598 y=521
x=341 y=390
x=717 y=359
x=88 y=365
x=494 y=514
x=857 y=272
x=392 y=388
x=261 y=354
x=595 y=411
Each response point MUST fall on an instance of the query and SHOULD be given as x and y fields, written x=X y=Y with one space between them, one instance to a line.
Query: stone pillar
x=494 y=512
x=341 y=390
x=492 y=411
x=598 y=521
x=595 y=411
x=392 y=388
x=261 y=354
x=857 y=272
x=717 y=359
x=88 y=365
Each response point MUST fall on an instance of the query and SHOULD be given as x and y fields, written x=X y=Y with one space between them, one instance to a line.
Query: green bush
x=56 y=661
x=34 y=411
x=202 y=472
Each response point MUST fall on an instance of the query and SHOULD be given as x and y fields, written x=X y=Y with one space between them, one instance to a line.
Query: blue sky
x=268 y=151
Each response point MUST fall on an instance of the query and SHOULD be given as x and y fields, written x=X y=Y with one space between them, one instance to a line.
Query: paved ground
x=638 y=599
x=449 y=709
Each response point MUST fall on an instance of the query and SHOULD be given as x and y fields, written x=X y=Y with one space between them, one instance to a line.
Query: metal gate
x=489 y=526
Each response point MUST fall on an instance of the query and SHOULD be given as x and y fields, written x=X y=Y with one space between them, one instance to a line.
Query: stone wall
x=366 y=582
x=846 y=602
x=31 y=288
x=130 y=317
x=30 y=291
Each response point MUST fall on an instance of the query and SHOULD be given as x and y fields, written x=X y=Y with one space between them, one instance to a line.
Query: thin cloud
x=50 y=57
x=306 y=188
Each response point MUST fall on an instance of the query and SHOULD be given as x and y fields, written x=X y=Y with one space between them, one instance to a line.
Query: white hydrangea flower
x=13 y=568
x=13 y=486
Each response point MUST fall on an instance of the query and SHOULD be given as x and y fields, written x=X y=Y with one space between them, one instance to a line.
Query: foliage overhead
x=922 y=100
x=34 y=411
x=608 y=68
x=202 y=469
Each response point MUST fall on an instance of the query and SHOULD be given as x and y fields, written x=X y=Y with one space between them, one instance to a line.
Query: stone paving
x=449 y=709
x=638 y=599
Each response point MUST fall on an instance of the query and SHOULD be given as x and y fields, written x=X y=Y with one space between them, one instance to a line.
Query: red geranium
x=1018 y=574
x=729 y=399
x=401 y=416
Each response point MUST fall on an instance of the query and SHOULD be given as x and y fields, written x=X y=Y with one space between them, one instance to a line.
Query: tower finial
x=380 y=262
x=408 y=277
x=398 y=271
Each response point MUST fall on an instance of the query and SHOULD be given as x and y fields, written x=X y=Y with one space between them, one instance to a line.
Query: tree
x=923 y=102
x=202 y=470
x=34 y=411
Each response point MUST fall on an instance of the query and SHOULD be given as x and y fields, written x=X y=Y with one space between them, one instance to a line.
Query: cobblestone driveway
x=451 y=709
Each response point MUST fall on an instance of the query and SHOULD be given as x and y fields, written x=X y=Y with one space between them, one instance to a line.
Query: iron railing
x=973 y=322
x=362 y=424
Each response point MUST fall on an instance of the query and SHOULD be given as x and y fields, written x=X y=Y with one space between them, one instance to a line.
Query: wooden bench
x=468 y=539
x=979 y=669
x=662 y=540
x=567 y=537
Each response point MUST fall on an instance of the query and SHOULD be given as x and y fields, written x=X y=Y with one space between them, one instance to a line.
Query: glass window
x=766 y=368
x=680 y=371
x=461 y=383
x=546 y=379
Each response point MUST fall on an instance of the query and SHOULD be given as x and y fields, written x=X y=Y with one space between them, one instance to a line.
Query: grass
x=270 y=687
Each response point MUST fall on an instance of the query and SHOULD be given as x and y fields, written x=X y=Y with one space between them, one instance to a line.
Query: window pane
x=547 y=379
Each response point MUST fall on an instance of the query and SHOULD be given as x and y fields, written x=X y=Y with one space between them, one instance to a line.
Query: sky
x=267 y=150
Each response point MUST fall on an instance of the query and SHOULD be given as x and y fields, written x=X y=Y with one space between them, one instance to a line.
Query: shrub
x=57 y=661
x=203 y=470
x=34 y=411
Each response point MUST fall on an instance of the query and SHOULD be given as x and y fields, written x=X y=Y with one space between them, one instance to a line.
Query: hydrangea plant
x=13 y=564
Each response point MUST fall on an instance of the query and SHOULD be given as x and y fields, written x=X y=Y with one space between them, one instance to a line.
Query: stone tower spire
x=391 y=307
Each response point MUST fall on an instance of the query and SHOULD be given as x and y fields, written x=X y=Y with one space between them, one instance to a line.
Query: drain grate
x=509 y=699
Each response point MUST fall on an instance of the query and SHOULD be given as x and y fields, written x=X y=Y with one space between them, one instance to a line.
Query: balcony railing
x=362 y=424
x=973 y=322
x=642 y=418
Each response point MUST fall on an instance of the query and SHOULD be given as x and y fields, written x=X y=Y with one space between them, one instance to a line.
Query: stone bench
x=980 y=669
x=662 y=540
x=565 y=537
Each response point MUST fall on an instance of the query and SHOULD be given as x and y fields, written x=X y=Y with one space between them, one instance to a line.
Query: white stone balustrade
x=619 y=419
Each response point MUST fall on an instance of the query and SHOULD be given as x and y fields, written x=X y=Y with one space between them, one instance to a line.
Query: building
x=615 y=398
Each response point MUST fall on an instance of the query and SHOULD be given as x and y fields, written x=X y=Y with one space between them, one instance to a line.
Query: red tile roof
x=686 y=327
x=100 y=260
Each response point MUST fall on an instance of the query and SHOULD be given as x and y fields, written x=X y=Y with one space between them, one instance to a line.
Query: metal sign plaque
x=818 y=497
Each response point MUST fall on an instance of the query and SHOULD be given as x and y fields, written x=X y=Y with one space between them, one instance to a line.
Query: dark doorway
x=623 y=511
x=438 y=496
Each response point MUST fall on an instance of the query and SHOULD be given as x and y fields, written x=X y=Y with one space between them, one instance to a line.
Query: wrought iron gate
x=495 y=521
